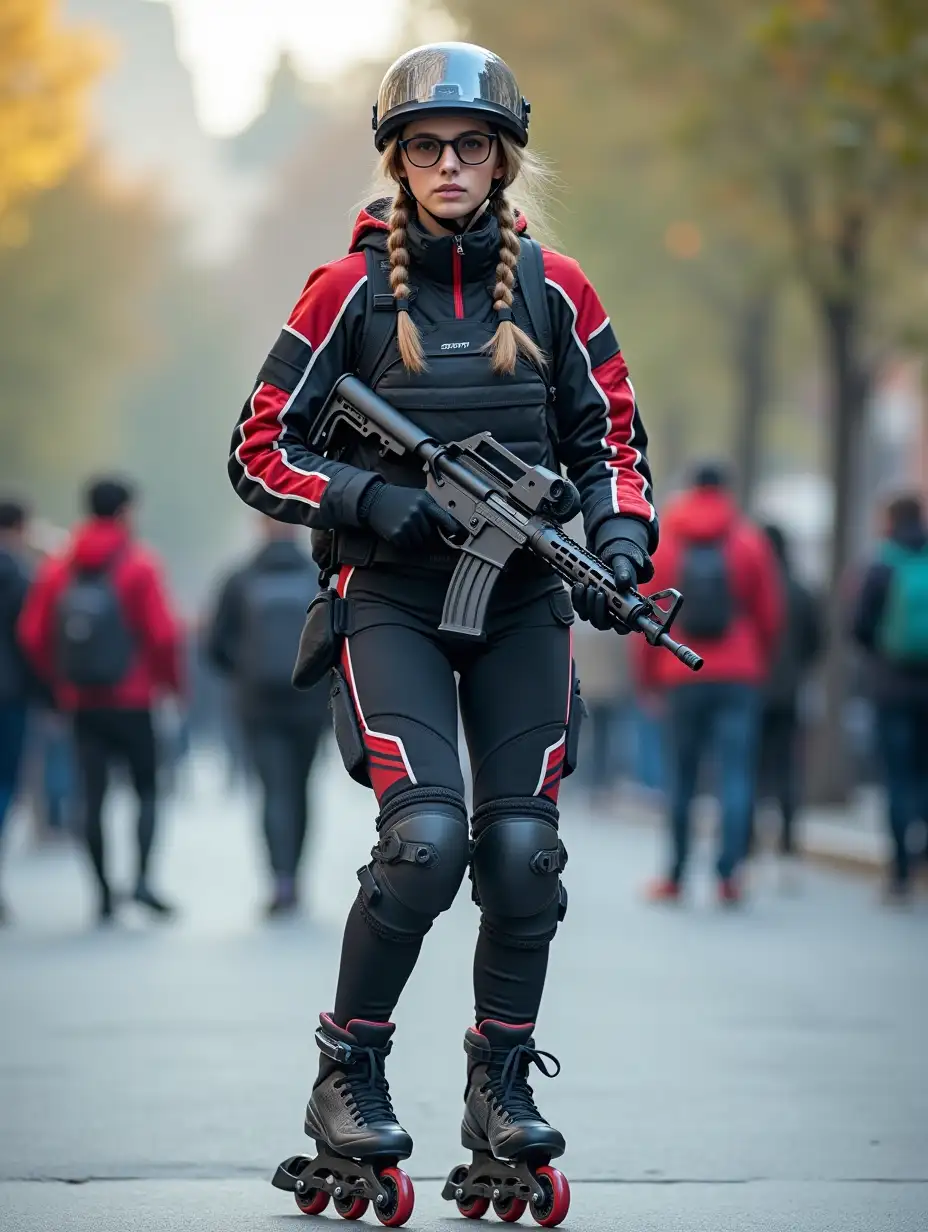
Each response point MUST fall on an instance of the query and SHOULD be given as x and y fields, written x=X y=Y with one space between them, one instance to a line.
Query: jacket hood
x=701 y=514
x=433 y=255
x=97 y=541
x=372 y=226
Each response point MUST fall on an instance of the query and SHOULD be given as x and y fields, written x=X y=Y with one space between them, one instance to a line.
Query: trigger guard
x=450 y=540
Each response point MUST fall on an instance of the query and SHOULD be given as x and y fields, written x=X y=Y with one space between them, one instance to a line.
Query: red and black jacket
x=600 y=438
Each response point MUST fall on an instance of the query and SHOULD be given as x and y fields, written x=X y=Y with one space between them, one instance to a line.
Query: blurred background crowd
x=745 y=183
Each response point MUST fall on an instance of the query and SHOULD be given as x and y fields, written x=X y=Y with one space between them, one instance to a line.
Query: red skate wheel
x=476 y=1208
x=401 y=1200
x=555 y=1204
x=510 y=1209
x=312 y=1201
x=351 y=1208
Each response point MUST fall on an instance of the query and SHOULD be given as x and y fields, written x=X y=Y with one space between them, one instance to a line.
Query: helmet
x=441 y=77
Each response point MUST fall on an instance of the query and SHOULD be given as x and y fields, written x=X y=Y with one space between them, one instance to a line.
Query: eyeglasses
x=470 y=148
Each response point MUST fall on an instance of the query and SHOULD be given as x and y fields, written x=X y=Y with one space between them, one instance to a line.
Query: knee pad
x=418 y=863
x=516 y=864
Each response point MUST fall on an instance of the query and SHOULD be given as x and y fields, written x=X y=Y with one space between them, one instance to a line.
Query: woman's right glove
x=405 y=517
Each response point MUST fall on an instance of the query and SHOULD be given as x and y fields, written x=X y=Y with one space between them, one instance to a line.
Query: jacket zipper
x=456 y=253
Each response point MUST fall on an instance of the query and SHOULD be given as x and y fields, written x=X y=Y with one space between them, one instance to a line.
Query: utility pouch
x=327 y=622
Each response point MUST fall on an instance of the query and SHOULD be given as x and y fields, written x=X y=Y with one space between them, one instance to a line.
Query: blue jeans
x=903 y=737
x=12 y=739
x=723 y=720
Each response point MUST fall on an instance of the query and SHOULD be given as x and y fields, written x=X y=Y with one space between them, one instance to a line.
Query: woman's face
x=453 y=187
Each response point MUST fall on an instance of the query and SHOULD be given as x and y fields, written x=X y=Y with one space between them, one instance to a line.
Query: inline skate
x=358 y=1138
x=512 y=1143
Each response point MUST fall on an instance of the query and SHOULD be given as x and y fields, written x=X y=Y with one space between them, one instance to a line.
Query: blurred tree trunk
x=849 y=388
x=753 y=346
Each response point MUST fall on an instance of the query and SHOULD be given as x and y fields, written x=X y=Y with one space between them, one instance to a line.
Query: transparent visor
x=456 y=75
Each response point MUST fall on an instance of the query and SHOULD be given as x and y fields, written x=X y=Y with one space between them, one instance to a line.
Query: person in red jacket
x=98 y=628
x=731 y=615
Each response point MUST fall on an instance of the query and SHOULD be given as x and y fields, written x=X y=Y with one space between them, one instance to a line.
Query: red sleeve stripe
x=262 y=431
x=652 y=512
x=296 y=333
x=620 y=440
x=615 y=425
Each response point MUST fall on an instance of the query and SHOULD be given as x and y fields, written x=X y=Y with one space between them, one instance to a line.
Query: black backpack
x=708 y=600
x=273 y=612
x=94 y=643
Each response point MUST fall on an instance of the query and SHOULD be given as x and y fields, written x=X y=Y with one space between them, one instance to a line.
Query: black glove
x=629 y=564
x=405 y=517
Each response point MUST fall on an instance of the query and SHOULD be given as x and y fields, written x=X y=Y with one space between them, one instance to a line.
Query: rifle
x=501 y=505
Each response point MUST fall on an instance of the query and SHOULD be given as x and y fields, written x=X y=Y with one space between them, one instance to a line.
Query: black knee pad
x=516 y=864
x=418 y=863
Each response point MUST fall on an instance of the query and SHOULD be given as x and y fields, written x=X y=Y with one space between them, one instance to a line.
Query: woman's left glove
x=630 y=565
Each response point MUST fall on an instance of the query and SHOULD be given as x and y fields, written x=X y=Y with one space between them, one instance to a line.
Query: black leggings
x=103 y=737
x=513 y=693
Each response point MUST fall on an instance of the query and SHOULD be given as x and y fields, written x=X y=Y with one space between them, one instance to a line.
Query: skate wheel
x=401 y=1200
x=470 y=1208
x=476 y=1208
x=555 y=1204
x=312 y=1202
x=351 y=1208
x=510 y=1209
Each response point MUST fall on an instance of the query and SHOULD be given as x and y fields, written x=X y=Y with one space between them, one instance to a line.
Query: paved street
x=762 y=1071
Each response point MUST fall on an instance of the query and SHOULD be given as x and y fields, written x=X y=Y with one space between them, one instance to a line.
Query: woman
x=441 y=264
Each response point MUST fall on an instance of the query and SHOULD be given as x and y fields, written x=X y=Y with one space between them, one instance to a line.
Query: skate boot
x=512 y=1142
x=358 y=1138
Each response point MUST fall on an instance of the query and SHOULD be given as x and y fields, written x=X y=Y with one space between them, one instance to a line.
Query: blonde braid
x=407 y=333
x=509 y=341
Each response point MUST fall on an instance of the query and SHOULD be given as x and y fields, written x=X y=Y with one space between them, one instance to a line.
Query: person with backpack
x=252 y=639
x=98 y=628
x=731 y=615
x=452 y=313
x=890 y=623
x=17 y=683
x=798 y=648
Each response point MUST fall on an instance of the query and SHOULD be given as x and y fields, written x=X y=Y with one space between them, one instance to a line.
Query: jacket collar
x=434 y=255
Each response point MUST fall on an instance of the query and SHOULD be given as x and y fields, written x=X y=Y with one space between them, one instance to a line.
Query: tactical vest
x=459 y=394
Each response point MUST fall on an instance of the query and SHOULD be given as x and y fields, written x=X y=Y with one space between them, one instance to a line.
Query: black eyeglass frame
x=403 y=144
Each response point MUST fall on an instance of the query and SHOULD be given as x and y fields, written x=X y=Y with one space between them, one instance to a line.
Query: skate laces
x=509 y=1083
x=368 y=1095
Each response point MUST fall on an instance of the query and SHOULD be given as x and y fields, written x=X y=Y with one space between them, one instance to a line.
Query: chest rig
x=459 y=393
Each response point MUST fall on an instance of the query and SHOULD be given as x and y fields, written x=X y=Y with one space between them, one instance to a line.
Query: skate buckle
x=334 y=1049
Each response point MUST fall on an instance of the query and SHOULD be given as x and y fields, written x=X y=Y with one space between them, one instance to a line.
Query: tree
x=45 y=70
x=816 y=114
x=72 y=324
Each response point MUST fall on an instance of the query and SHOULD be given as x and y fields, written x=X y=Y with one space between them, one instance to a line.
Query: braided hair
x=509 y=341
x=407 y=332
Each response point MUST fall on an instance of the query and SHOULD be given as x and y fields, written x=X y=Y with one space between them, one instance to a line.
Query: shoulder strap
x=379 y=318
x=531 y=275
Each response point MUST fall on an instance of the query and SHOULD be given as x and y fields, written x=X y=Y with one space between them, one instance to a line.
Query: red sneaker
x=729 y=892
x=665 y=890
